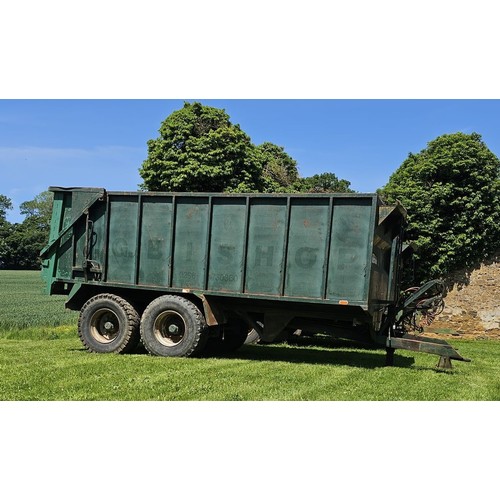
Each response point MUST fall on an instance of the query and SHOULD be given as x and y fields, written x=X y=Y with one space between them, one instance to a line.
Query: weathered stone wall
x=473 y=309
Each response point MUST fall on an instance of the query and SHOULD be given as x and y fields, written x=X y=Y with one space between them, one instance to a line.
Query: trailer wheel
x=253 y=337
x=108 y=324
x=173 y=326
x=229 y=338
x=234 y=335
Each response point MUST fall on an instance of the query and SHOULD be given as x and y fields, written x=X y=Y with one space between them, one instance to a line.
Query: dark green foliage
x=21 y=243
x=39 y=210
x=451 y=190
x=199 y=149
x=279 y=170
x=5 y=204
x=324 y=183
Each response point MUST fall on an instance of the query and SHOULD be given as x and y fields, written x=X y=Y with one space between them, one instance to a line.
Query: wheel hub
x=108 y=325
x=104 y=326
x=169 y=328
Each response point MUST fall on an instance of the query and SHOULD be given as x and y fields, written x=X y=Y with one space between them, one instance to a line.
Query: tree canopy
x=5 y=205
x=324 y=183
x=20 y=243
x=278 y=169
x=199 y=149
x=38 y=211
x=451 y=190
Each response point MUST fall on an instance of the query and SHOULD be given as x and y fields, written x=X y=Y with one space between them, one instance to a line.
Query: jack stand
x=444 y=363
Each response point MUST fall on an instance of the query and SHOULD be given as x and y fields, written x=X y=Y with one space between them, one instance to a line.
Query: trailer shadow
x=346 y=355
x=337 y=352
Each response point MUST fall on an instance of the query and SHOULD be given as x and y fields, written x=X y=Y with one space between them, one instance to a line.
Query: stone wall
x=473 y=308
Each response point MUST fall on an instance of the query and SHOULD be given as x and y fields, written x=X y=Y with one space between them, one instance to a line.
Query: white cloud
x=38 y=153
x=27 y=171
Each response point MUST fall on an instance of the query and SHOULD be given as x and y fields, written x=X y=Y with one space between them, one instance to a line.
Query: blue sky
x=102 y=143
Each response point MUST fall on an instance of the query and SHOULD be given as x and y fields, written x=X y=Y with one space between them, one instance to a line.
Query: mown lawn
x=46 y=361
x=62 y=370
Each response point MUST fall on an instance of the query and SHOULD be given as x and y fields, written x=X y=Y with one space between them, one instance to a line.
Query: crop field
x=41 y=358
x=24 y=308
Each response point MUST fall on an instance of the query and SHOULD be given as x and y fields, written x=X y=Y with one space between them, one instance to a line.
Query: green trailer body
x=274 y=263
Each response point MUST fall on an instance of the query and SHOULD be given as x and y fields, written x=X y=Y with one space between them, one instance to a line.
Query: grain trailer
x=184 y=271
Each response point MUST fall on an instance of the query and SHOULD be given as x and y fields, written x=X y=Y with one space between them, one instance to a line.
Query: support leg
x=444 y=363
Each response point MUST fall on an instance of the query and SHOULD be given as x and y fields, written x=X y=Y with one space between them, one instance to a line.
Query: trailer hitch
x=417 y=308
x=420 y=306
x=429 y=345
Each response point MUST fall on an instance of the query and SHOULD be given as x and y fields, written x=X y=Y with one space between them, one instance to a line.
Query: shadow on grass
x=340 y=355
x=333 y=352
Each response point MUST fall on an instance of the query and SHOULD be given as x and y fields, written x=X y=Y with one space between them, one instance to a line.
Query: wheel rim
x=104 y=326
x=169 y=328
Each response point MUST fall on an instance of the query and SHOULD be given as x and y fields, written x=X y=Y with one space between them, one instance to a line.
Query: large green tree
x=5 y=228
x=451 y=190
x=199 y=149
x=278 y=169
x=324 y=183
x=38 y=211
x=5 y=205
x=21 y=242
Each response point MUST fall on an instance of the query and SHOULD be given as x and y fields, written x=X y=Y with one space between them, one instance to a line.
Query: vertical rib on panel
x=138 y=239
x=105 y=258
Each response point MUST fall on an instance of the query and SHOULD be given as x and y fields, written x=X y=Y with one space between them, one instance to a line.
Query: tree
x=279 y=169
x=5 y=205
x=199 y=149
x=324 y=183
x=38 y=211
x=21 y=243
x=5 y=227
x=451 y=190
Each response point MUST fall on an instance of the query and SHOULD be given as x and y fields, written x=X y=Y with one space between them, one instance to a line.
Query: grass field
x=26 y=310
x=41 y=358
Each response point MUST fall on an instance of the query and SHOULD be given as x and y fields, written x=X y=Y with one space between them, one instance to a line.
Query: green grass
x=62 y=370
x=44 y=362
x=24 y=306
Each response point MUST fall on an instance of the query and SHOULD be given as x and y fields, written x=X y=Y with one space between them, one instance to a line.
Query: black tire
x=229 y=339
x=173 y=326
x=108 y=324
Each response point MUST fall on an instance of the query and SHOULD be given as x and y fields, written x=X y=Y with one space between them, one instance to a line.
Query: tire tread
x=131 y=337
